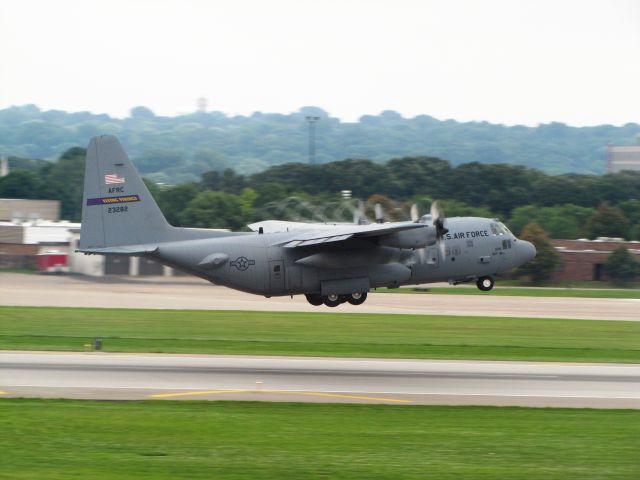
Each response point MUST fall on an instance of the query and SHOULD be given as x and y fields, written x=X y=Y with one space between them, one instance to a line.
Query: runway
x=401 y=382
x=195 y=294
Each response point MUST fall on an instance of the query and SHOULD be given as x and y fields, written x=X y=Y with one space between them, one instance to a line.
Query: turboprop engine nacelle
x=414 y=238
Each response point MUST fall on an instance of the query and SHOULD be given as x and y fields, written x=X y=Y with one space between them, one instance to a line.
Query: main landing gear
x=334 y=300
x=485 y=283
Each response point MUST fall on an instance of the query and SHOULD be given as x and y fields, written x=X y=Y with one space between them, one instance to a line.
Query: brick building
x=583 y=260
x=21 y=210
x=623 y=158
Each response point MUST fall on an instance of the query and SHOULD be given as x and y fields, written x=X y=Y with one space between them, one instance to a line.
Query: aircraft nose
x=526 y=251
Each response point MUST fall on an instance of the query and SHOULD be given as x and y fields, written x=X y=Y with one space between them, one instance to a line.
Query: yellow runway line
x=284 y=392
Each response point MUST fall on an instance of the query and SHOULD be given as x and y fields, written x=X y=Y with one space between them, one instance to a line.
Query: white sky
x=504 y=61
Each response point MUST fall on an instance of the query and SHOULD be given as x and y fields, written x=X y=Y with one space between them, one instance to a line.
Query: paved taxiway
x=193 y=293
x=148 y=376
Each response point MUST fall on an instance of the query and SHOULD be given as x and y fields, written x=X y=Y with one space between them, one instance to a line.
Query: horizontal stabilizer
x=123 y=250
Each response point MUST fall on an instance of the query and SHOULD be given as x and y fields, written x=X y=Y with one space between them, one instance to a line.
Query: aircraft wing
x=339 y=233
x=281 y=226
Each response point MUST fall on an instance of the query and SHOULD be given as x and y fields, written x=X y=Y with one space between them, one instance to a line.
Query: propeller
x=359 y=217
x=438 y=217
x=379 y=213
x=415 y=213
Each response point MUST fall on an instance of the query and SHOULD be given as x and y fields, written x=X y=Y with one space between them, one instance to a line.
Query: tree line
x=181 y=148
x=565 y=206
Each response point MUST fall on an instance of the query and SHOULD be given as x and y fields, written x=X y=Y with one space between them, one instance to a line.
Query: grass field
x=58 y=439
x=320 y=334
x=587 y=284
x=522 y=291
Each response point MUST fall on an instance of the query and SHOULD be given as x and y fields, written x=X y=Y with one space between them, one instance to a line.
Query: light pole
x=312 y=138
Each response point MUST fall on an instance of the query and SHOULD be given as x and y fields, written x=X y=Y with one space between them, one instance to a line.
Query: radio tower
x=312 y=138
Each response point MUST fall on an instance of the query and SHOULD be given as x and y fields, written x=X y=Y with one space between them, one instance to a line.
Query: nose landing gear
x=485 y=283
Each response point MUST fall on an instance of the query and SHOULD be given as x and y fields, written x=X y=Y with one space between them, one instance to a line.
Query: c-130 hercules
x=329 y=263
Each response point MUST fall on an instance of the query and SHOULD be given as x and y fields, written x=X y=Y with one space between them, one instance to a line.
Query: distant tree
x=209 y=159
x=453 y=208
x=540 y=268
x=409 y=176
x=17 y=163
x=559 y=221
x=248 y=198
x=173 y=200
x=621 y=266
x=226 y=181
x=631 y=209
x=214 y=210
x=154 y=188
x=158 y=160
x=607 y=221
x=252 y=143
x=64 y=181
x=142 y=113
x=21 y=184
x=271 y=192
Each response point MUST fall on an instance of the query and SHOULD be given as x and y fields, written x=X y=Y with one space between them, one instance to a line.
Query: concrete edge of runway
x=308 y=357
x=70 y=292
x=116 y=376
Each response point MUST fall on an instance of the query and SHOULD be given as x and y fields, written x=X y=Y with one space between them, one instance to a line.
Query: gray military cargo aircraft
x=329 y=263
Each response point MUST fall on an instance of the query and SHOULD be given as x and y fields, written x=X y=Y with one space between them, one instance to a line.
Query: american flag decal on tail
x=111 y=178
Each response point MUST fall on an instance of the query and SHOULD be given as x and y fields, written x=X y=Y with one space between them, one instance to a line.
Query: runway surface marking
x=393 y=381
x=342 y=394
x=281 y=392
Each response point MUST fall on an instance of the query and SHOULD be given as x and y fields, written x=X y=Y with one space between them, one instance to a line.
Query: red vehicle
x=52 y=262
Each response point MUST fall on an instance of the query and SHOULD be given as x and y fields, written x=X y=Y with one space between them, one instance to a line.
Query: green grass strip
x=320 y=334
x=66 y=439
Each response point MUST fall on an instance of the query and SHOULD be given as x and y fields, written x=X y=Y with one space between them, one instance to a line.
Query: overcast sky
x=513 y=62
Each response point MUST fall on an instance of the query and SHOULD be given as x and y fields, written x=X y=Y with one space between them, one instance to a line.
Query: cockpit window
x=504 y=228
x=498 y=229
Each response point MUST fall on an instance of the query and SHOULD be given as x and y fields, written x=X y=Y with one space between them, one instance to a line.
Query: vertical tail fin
x=117 y=208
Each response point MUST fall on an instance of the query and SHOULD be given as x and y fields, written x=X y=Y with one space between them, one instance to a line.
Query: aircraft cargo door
x=276 y=275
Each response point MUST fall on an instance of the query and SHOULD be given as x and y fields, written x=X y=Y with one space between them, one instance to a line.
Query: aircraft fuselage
x=473 y=248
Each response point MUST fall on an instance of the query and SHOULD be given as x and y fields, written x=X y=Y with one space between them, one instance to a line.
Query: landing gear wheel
x=315 y=300
x=332 y=300
x=485 y=283
x=357 y=298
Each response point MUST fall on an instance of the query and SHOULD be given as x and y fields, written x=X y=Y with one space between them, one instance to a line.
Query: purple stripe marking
x=113 y=200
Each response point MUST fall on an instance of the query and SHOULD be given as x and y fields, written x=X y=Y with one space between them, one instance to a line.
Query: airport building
x=100 y=265
x=32 y=236
x=584 y=260
x=623 y=158
x=21 y=210
x=29 y=229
